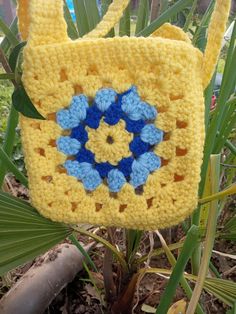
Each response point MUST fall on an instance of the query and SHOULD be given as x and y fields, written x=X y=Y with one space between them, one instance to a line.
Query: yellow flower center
x=109 y=143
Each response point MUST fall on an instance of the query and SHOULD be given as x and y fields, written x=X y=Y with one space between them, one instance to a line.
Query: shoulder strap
x=41 y=22
x=113 y=15
x=214 y=40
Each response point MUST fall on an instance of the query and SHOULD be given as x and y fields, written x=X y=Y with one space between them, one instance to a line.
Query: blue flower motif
x=73 y=168
x=113 y=114
x=134 y=126
x=125 y=166
x=85 y=155
x=104 y=98
x=70 y=118
x=138 y=147
x=139 y=174
x=103 y=168
x=152 y=135
x=68 y=145
x=93 y=118
x=150 y=160
x=115 y=180
x=92 y=180
x=110 y=107
x=80 y=134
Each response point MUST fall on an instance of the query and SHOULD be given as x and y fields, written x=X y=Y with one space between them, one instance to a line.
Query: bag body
x=123 y=138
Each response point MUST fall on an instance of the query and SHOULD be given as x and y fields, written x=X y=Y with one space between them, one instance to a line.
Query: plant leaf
x=178 y=270
x=81 y=17
x=24 y=105
x=9 y=34
x=148 y=309
x=14 y=55
x=229 y=230
x=24 y=233
x=178 y=307
x=7 y=76
x=164 y=17
x=71 y=29
x=11 y=167
x=143 y=16
x=92 y=13
x=5 y=43
x=124 y=25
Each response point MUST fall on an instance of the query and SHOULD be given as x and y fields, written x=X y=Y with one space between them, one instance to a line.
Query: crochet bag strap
x=215 y=36
x=42 y=22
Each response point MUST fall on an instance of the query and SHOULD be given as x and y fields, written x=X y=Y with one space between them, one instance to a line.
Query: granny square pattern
x=111 y=141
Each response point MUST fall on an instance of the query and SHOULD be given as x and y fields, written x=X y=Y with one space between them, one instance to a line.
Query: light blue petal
x=150 y=160
x=151 y=134
x=68 y=145
x=63 y=119
x=115 y=180
x=139 y=174
x=142 y=111
x=130 y=102
x=76 y=169
x=73 y=169
x=104 y=98
x=78 y=107
x=85 y=168
x=147 y=111
x=92 y=180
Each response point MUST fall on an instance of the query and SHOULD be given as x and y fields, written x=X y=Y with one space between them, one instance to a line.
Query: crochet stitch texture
x=150 y=179
x=112 y=139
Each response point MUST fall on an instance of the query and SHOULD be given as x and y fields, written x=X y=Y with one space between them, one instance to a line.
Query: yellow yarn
x=168 y=75
x=104 y=150
x=171 y=32
x=215 y=36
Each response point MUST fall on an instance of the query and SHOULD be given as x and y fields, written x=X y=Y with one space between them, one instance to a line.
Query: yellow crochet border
x=173 y=84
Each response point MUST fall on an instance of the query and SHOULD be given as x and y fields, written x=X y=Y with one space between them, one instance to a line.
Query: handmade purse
x=123 y=138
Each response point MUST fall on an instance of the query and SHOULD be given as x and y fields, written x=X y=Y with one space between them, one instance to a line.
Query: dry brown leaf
x=178 y=307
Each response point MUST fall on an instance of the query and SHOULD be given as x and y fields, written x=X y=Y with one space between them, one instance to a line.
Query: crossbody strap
x=113 y=15
x=42 y=22
x=215 y=36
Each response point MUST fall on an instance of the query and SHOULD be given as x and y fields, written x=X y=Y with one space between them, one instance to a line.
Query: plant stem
x=210 y=234
x=228 y=191
x=164 y=17
x=187 y=289
x=9 y=139
x=177 y=273
x=74 y=240
x=97 y=238
x=190 y=15
x=7 y=163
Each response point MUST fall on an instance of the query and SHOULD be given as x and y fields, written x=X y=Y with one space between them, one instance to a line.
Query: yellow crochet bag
x=123 y=138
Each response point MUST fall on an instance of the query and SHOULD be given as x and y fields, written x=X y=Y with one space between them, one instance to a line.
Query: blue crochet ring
x=110 y=107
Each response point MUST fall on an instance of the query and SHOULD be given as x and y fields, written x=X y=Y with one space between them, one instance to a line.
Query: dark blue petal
x=103 y=168
x=113 y=114
x=80 y=134
x=134 y=126
x=93 y=117
x=85 y=155
x=138 y=147
x=125 y=166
